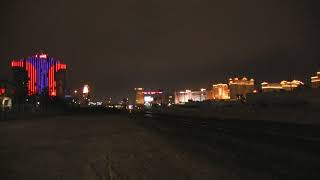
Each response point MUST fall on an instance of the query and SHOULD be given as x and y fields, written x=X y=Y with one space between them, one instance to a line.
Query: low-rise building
x=183 y=97
x=270 y=87
x=282 y=86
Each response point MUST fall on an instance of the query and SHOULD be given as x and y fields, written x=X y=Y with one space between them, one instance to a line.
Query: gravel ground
x=120 y=147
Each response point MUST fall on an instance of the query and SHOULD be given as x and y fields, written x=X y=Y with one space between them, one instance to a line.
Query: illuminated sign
x=43 y=56
x=152 y=92
x=148 y=99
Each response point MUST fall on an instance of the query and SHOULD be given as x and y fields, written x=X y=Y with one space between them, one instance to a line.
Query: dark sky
x=117 y=45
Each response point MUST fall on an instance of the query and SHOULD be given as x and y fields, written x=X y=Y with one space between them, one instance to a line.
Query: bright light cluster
x=243 y=81
x=85 y=89
x=220 y=92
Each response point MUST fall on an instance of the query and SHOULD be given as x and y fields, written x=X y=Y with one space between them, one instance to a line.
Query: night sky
x=117 y=45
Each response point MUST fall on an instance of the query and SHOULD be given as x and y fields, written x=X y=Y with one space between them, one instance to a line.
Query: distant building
x=315 y=81
x=239 y=88
x=168 y=98
x=149 y=97
x=39 y=74
x=139 y=96
x=219 y=92
x=291 y=85
x=282 y=86
x=86 y=95
x=183 y=97
x=271 y=87
x=153 y=97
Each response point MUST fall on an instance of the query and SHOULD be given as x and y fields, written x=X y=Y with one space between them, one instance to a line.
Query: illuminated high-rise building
x=149 y=97
x=315 y=81
x=219 y=92
x=239 y=88
x=139 y=96
x=39 y=74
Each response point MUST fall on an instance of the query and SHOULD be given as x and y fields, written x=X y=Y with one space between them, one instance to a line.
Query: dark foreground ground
x=137 y=147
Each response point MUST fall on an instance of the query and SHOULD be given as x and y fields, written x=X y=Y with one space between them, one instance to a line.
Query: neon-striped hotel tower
x=44 y=74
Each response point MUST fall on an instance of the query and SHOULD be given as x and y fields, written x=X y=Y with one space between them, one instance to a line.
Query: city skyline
x=118 y=46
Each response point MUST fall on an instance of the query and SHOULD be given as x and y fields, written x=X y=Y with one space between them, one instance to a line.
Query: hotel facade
x=39 y=75
x=240 y=87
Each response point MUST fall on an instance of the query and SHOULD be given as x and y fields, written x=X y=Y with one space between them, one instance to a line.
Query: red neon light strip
x=35 y=79
x=153 y=92
x=16 y=64
x=50 y=86
x=31 y=78
x=51 y=80
x=29 y=83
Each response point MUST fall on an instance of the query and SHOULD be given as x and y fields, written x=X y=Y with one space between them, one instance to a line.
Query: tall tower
x=139 y=96
x=40 y=74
